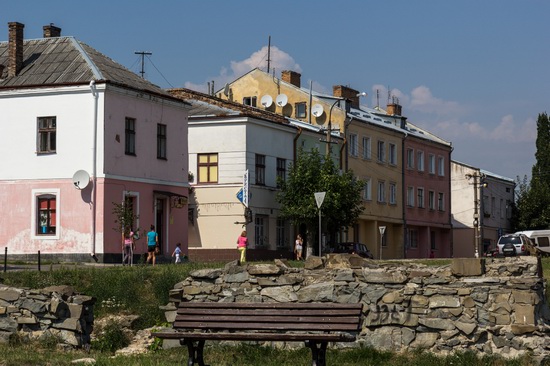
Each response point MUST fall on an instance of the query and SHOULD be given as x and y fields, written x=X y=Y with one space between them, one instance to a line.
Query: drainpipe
x=404 y=194
x=295 y=142
x=94 y=170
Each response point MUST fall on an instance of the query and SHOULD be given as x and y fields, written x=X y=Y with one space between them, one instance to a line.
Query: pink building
x=67 y=108
x=427 y=195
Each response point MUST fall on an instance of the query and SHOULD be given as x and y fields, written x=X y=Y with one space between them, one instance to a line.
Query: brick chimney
x=51 y=31
x=291 y=77
x=347 y=93
x=15 y=48
x=394 y=108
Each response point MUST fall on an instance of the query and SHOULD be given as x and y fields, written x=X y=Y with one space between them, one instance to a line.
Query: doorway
x=159 y=219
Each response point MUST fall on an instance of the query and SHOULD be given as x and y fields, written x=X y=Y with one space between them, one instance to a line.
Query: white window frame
x=420 y=197
x=353 y=145
x=441 y=201
x=35 y=193
x=410 y=158
x=431 y=200
x=381 y=191
x=393 y=193
x=367 y=148
x=410 y=196
x=431 y=162
x=381 y=151
x=441 y=166
x=420 y=160
x=367 y=190
x=393 y=154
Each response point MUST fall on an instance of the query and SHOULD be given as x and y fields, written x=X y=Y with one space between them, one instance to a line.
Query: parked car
x=353 y=248
x=518 y=241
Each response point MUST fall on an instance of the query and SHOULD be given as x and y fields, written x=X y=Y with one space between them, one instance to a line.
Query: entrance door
x=160 y=222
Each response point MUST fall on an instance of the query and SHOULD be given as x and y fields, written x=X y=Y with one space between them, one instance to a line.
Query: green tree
x=533 y=200
x=311 y=173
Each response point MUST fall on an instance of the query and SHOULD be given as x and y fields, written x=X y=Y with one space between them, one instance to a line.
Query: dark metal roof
x=58 y=61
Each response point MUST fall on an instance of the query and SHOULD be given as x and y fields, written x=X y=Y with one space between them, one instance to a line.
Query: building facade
x=90 y=134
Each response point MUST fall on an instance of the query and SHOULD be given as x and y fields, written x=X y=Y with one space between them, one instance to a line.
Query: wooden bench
x=316 y=324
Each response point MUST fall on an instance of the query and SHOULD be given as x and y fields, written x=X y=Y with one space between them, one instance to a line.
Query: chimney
x=51 y=31
x=15 y=48
x=346 y=93
x=393 y=108
x=291 y=77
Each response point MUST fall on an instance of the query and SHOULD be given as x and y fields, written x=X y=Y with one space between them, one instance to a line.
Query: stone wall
x=486 y=305
x=53 y=311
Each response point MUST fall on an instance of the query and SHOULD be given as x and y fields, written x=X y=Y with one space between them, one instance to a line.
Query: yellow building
x=372 y=147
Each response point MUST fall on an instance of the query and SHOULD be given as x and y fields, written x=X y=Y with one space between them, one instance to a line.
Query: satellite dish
x=317 y=110
x=81 y=179
x=226 y=90
x=281 y=100
x=266 y=101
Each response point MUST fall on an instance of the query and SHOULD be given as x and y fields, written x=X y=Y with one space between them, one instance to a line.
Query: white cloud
x=279 y=60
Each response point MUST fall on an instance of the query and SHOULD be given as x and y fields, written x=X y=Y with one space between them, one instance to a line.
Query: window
x=260 y=231
x=431 y=200
x=251 y=101
x=413 y=239
x=260 y=169
x=281 y=234
x=493 y=206
x=420 y=160
x=420 y=197
x=366 y=148
x=410 y=158
x=47 y=130
x=281 y=171
x=431 y=160
x=441 y=166
x=353 y=145
x=440 y=202
x=381 y=151
x=393 y=154
x=410 y=196
x=367 y=190
x=161 y=141
x=46 y=214
x=393 y=193
x=208 y=168
x=382 y=192
x=130 y=136
x=500 y=209
x=301 y=110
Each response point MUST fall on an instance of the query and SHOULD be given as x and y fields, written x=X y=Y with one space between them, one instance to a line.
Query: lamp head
x=362 y=94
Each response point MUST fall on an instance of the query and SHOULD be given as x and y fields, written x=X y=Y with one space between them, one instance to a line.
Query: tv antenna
x=142 y=53
x=269 y=53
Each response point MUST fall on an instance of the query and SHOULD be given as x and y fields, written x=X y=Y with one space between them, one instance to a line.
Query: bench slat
x=265 y=326
x=342 y=337
x=270 y=312
x=269 y=305
x=269 y=319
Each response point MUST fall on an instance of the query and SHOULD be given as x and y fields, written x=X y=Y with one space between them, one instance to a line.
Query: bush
x=111 y=338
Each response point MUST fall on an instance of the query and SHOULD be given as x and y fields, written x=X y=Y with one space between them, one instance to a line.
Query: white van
x=540 y=238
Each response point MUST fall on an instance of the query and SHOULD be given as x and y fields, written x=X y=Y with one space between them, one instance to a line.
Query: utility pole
x=478 y=182
x=142 y=53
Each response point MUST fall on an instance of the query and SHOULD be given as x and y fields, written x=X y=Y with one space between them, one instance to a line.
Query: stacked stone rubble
x=55 y=311
x=486 y=305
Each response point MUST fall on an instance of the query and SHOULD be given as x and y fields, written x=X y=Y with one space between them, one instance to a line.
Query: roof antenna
x=268 y=53
x=377 y=98
x=142 y=53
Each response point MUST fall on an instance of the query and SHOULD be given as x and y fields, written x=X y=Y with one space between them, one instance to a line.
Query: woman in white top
x=298 y=246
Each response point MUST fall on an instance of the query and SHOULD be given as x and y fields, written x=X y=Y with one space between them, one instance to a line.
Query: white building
x=494 y=196
x=68 y=108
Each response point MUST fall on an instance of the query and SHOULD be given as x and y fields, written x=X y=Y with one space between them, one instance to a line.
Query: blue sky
x=474 y=72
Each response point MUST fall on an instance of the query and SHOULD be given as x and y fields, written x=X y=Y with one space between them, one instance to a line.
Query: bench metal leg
x=318 y=352
x=195 y=352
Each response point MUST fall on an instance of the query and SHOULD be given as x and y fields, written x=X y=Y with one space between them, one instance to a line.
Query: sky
x=472 y=72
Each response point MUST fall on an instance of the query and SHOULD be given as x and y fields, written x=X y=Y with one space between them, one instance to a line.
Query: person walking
x=152 y=243
x=128 y=246
x=242 y=243
x=177 y=253
x=298 y=247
